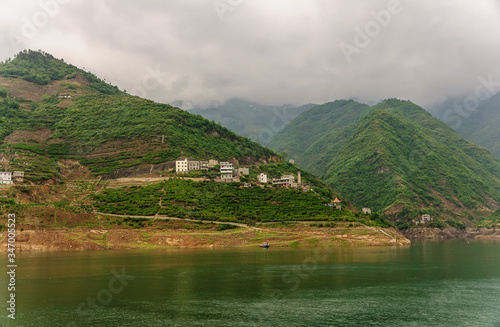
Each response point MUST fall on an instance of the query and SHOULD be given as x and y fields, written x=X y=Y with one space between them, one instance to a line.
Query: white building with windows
x=226 y=170
x=5 y=177
x=181 y=166
x=263 y=178
x=286 y=180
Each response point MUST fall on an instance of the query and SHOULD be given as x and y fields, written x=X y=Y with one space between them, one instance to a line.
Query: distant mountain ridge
x=479 y=126
x=253 y=120
x=394 y=157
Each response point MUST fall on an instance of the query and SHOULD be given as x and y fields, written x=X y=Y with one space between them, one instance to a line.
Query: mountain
x=255 y=121
x=54 y=110
x=77 y=138
x=394 y=157
x=479 y=126
x=306 y=132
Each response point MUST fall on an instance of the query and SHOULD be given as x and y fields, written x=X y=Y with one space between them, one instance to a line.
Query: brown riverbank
x=81 y=239
x=436 y=234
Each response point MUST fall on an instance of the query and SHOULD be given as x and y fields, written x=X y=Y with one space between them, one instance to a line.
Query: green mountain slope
x=55 y=110
x=309 y=127
x=399 y=159
x=68 y=131
x=253 y=120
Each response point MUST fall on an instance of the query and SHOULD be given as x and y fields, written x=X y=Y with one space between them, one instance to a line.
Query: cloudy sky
x=268 y=51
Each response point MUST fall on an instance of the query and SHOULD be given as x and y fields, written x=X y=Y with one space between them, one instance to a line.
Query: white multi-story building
x=285 y=180
x=226 y=170
x=263 y=178
x=5 y=177
x=185 y=165
x=181 y=166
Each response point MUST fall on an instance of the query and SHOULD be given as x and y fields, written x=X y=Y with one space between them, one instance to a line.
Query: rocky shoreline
x=436 y=234
x=81 y=239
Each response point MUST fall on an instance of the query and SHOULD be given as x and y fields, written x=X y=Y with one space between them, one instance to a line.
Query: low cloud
x=273 y=52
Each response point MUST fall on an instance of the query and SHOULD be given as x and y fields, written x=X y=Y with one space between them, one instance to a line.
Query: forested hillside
x=255 y=121
x=54 y=110
x=397 y=158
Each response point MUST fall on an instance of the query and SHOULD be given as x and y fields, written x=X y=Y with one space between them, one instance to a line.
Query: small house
x=242 y=171
x=426 y=218
x=212 y=163
x=18 y=176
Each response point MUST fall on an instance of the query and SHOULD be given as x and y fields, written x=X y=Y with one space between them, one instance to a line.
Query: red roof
x=337 y=200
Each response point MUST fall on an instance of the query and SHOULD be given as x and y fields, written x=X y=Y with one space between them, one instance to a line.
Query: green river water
x=454 y=283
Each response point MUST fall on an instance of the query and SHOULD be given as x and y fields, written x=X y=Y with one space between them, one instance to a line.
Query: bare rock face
x=139 y=170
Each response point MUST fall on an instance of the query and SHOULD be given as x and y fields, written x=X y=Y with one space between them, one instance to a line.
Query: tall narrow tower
x=299 y=180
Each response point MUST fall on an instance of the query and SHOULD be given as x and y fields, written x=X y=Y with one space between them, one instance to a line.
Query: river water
x=454 y=283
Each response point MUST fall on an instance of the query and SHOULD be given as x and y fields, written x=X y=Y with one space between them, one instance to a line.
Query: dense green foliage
x=255 y=121
x=307 y=131
x=394 y=153
x=218 y=201
x=492 y=221
x=42 y=68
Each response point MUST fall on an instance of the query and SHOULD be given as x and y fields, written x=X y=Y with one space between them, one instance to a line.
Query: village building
x=18 y=176
x=263 y=178
x=336 y=203
x=424 y=219
x=367 y=211
x=291 y=161
x=193 y=165
x=181 y=166
x=226 y=170
x=212 y=163
x=5 y=177
x=242 y=171
x=286 y=180
x=186 y=164
x=203 y=165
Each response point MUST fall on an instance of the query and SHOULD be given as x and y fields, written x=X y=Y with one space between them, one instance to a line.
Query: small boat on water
x=264 y=245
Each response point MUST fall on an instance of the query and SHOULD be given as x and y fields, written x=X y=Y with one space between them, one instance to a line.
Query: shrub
x=223 y=227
